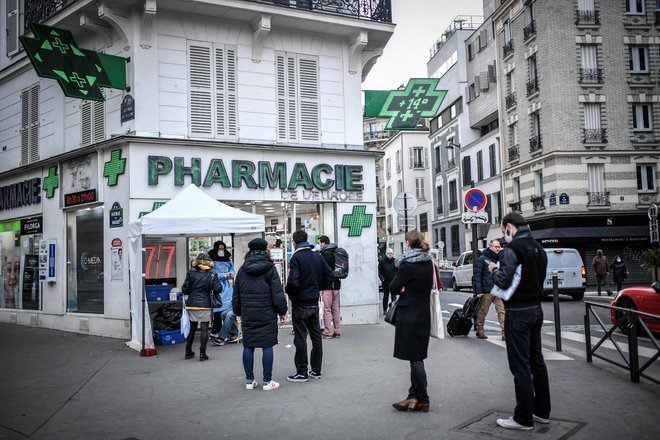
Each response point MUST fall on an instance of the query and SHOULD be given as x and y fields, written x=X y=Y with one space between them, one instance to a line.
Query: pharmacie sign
x=296 y=181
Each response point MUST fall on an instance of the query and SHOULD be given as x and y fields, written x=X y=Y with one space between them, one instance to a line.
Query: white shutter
x=86 y=136
x=291 y=98
x=13 y=26
x=25 y=126
x=281 y=97
x=309 y=98
x=483 y=38
x=592 y=116
x=98 y=121
x=596 y=177
x=492 y=77
x=34 y=123
x=483 y=80
x=411 y=158
x=425 y=152
x=200 y=89
x=589 y=56
x=220 y=92
x=232 y=99
x=477 y=85
x=586 y=5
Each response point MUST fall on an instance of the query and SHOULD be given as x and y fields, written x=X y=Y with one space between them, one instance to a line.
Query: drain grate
x=486 y=425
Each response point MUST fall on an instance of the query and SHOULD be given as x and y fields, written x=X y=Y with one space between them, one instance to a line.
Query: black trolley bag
x=461 y=320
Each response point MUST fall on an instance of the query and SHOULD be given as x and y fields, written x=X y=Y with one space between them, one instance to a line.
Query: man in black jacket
x=386 y=272
x=307 y=271
x=330 y=292
x=523 y=322
x=483 y=284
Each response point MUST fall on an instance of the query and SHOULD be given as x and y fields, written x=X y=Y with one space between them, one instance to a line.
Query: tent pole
x=145 y=351
x=233 y=254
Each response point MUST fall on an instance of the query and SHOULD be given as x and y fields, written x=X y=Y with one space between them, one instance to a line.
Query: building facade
x=256 y=102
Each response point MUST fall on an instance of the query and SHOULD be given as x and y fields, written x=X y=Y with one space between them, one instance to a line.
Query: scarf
x=415 y=255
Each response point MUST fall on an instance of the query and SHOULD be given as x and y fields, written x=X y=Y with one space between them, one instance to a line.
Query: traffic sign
x=405 y=202
x=475 y=198
x=473 y=217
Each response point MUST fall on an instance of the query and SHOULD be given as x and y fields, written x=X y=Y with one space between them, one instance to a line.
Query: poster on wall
x=11 y=264
x=30 y=291
x=117 y=265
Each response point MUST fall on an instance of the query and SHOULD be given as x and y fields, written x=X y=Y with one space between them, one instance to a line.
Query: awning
x=592 y=232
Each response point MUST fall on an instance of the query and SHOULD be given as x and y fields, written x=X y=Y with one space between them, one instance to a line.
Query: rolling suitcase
x=458 y=324
x=471 y=307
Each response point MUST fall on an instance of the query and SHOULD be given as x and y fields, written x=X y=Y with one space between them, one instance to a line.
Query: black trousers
x=306 y=320
x=418 y=382
x=387 y=297
x=191 y=335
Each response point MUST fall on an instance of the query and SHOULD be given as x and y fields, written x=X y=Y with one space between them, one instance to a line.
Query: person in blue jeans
x=258 y=300
x=224 y=328
x=522 y=323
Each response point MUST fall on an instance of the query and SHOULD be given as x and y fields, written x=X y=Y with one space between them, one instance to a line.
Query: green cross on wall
x=114 y=167
x=51 y=182
x=356 y=220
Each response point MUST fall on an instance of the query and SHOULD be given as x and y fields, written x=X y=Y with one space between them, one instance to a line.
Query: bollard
x=555 y=294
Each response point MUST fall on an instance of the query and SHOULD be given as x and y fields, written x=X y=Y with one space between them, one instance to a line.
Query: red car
x=644 y=299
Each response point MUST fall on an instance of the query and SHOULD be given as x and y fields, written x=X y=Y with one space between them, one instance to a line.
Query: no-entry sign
x=475 y=199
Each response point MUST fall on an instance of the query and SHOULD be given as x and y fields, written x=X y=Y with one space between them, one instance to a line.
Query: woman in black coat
x=413 y=282
x=619 y=272
x=258 y=299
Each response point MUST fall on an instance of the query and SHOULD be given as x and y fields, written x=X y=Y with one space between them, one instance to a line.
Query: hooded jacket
x=258 y=299
x=328 y=254
x=307 y=271
x=483 y=279
x=198 y=286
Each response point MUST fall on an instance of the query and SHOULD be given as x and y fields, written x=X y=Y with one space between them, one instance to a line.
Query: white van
x=571 y=273
x=462 y=276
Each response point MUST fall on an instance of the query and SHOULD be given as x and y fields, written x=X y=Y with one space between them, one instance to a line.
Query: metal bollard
x=555 y=294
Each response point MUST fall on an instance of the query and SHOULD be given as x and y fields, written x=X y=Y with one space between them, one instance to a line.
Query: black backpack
x=341 y=263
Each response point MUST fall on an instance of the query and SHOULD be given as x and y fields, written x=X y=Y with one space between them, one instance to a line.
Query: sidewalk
x=58 y=385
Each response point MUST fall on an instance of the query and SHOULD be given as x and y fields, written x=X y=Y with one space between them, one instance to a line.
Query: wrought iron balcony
x=532 y=86
x=507 y=49
x=595 y=135
x=590 y=76
x=530 y=30
x=515 y=207
x=377 y=135
x=514 y=153
x=647 y=198
x=376 y=10
x=587 y=17
x=538 y=203
x=510 y=100
x=38 y=11
x=535 y=143
x=451 y=163
x=598 y=198
x=453 y=205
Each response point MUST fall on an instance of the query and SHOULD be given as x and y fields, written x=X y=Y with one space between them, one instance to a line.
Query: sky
x=419 y=23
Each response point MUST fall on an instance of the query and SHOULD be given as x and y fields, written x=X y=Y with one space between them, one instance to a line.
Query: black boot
x=202 y=354
x=189 y=353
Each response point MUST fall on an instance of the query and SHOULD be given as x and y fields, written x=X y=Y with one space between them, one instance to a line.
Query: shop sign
x=357 y=220
x=31 y=226
x=116 y=216
x=127 y=109
x=116 y=243
x=564 y=199
x=19 y=194
x=80 y=198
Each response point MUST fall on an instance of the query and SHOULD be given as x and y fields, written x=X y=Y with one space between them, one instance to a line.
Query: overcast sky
x=419 y=23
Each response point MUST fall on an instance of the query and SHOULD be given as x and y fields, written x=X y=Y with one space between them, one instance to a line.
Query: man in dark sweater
x=307 y=272
x=523 y=322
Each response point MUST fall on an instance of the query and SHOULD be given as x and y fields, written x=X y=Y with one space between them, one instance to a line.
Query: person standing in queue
x=330 y=292
x=386 y=272
x=413 y=282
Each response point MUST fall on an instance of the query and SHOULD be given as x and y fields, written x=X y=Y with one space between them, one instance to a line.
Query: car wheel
x=455 y=286
x=578 y=296
x=622 y=317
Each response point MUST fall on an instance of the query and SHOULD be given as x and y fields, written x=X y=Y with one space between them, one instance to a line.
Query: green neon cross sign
x=356 y=220
x=405 y=108
x=51 y=182
x=114 y=167
x=80 y=72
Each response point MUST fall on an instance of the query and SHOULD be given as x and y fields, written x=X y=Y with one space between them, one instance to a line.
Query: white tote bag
x=185 y=320
x=437 y=325
x=505 y=294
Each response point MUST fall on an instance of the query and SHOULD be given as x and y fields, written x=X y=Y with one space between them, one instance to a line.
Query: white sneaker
x=251 y=385
x=538 y=419
x=272 y=385
x=512 y=424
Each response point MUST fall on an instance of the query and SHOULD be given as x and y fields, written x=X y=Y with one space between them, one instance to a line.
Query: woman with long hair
x=413 y=282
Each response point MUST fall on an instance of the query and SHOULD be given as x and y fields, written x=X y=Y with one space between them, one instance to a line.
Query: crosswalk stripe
x=577 y=337
x=548 y=355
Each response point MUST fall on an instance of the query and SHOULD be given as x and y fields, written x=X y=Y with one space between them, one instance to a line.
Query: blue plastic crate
x=158 y=293
x=168 y=337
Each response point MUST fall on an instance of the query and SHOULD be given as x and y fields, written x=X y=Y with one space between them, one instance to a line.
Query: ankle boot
x=202 y=354
x=189 y=353
x=409 y=404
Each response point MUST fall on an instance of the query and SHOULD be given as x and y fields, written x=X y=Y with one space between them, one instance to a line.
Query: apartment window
x=388 y=167
x=592 y=116
x=30 y=125
x=588 y=54
x=536 y=124
x=212 y=90
x=419 y=188
x=451 y=154
x=635 y=7
x=493 y=160
x=538 y=182
x=388 y=191
x=646 y=178
x=511 y=82
x=14 y=26
x=438 y=159
x=596 y=177
x=298 y=118
x=418 y=157
x=507 y=31
x=443 y=237
x=638 y=59
x=92 y=122
x=438 y=200
x=529 y=12
x=399 y=186
x=423 y=222
x=397 y=157
x=642 y=117
x=516 y=189
x=455 y=241
x=480 y=166
x=452 y=111
x=467 y=170
x=453 y=195
x=531 y=67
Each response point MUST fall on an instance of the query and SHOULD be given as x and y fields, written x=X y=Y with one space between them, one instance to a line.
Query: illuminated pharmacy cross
x=419 y=99
x=114 y=168
x=356 y=220
x=51 y=182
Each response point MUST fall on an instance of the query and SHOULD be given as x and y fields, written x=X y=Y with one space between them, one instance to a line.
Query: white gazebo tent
x=191 y=212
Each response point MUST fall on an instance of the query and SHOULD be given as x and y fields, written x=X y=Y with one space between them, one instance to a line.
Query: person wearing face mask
x=523 y=322
x=619 y=273
x=224 y=328
x=601 y=267
x=483 y=284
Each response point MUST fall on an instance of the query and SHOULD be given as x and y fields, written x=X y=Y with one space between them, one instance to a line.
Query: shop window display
x=85 y=261
x=19 y=270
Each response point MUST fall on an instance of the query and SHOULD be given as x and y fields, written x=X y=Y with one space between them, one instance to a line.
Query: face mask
x=618 y=260
x=508 y=237
x=317 y=247
x=221 y=253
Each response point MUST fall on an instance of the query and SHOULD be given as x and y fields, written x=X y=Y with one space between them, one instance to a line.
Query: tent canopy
x=191 y=212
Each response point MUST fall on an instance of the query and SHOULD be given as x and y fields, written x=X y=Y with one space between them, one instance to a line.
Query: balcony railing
x=538 y=203
x=439 y=210
x=515 y=207
x=532 y=86
x=510 y=100
x=453 y=205
x=451 y=163
x=587 y=17
x=514 y=153
x=647 y=198
x=595 y=136
x=376 y=10
x=530 y=30
x=38 y=11
x=507 y=49
x=598 y=198
x=377 y=135
x=535 y=143
x=590 y=76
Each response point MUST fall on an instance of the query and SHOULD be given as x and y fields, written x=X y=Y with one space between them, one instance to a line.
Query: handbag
x=390 y=315
x=437 y=325
x=216 y=299
x=507 y=293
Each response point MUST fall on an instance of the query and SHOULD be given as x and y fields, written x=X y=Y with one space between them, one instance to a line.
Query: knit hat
x=389 y=251
x=258 y=244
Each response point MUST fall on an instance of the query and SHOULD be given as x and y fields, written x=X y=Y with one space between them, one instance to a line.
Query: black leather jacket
x=198 y=286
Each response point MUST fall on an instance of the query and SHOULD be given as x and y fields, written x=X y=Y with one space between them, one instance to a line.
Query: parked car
x=571 y=272
x=644 y=299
